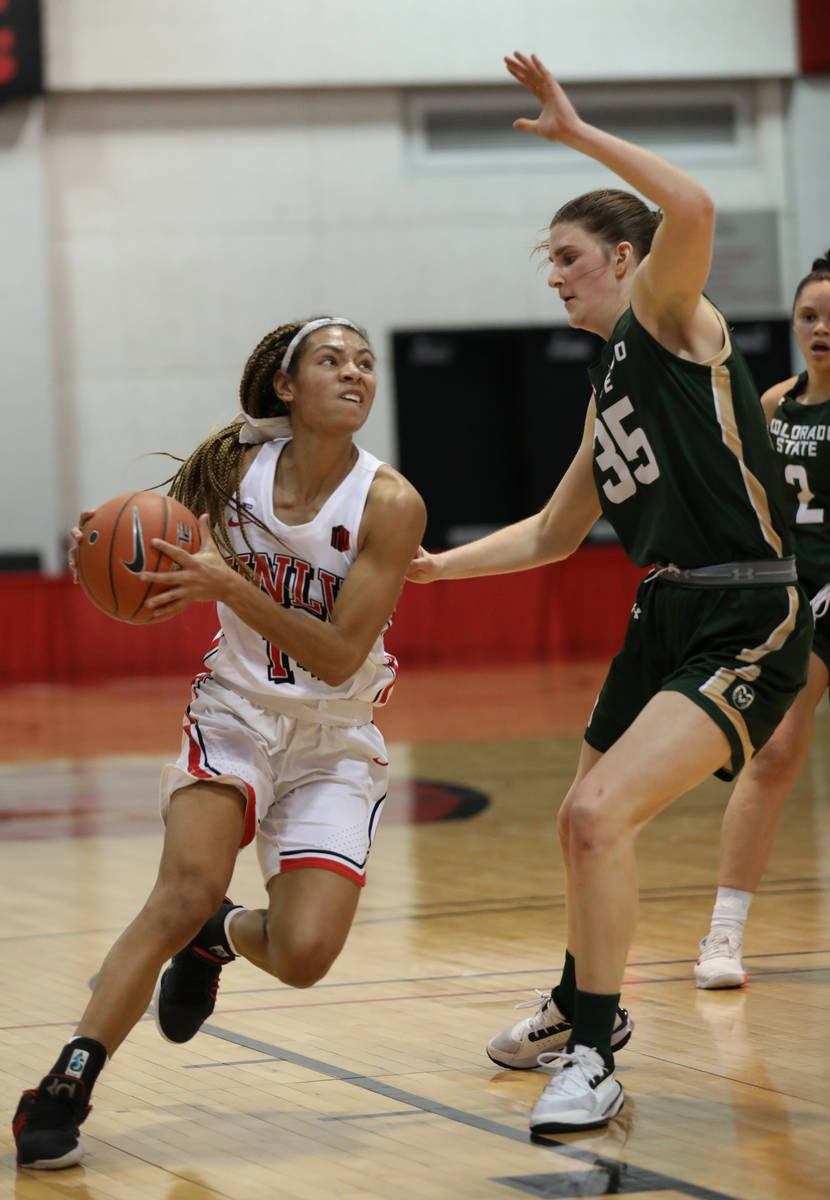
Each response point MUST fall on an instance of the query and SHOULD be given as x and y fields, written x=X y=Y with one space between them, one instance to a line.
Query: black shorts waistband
x=729 y=574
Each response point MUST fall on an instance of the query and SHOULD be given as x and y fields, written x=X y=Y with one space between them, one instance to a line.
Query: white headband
x=255 y=430
x=308 y=328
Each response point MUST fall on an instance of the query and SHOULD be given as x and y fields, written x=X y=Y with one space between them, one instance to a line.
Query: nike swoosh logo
x=237 y=524
x=137 y=564
x=380 y=762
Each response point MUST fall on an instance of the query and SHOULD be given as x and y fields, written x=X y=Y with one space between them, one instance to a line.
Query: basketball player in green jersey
x=676 y=454
x=798 y=411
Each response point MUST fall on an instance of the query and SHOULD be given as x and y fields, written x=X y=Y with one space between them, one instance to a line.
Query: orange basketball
x=116 y=548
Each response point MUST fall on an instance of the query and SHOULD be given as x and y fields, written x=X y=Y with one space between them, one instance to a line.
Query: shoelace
x=538 y=1019
x=719 y=944
x=192 y=983
x=572 y=1069
x=47 y=1113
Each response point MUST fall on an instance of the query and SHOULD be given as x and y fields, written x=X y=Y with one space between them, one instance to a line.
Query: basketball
x=116 y=548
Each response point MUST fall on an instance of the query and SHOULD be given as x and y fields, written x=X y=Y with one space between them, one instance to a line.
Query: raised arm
x=668 y=283
x=392 y=526
x=547 y=536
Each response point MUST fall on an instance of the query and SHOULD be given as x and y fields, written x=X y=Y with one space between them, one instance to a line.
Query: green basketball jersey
x=801 y=440
x=682 y=458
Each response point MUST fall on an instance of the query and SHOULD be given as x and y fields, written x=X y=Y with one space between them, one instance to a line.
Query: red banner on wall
x=569 y=611
x=814 y=35
x=21 y=72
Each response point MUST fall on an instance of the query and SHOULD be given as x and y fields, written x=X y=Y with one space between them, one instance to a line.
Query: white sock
x=239 y=908
x=731 y=910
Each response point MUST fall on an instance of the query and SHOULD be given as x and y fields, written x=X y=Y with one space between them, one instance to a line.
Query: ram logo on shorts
x=742 y=696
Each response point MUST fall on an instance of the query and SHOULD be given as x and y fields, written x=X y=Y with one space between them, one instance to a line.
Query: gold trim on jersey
x=776 y=639
x=722 y=680
x=714 y=688
x=726 y=348
x=725 y=412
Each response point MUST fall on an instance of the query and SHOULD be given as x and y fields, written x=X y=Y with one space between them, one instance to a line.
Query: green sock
x=564 y=994
x=593 y=1022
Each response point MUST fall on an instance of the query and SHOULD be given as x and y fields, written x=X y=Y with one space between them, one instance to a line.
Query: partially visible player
x=676 y=455
x=304 y=547
x=798 y=411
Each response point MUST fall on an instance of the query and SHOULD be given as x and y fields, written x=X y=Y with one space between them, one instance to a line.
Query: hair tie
x=253 y=431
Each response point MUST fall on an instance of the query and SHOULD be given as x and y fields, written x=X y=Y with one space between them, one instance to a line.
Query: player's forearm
x=515 y=548
x=660 y=181
x=319 y=645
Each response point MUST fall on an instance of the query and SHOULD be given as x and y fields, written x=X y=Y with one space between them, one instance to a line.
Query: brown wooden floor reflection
x=375 y=1082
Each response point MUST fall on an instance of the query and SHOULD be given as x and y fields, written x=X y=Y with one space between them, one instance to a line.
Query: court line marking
x=547 y=970
x=457 y=1115
x=756 y=977
x=473 y=995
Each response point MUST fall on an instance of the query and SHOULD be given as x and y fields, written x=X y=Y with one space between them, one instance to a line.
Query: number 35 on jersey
x=624 y=453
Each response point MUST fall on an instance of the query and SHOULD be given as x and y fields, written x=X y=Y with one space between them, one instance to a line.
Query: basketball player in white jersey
x=305 y=541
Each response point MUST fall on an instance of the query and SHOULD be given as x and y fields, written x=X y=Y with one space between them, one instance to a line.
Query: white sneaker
x=583 y=1093
x=548 y=1030
x=719 y=965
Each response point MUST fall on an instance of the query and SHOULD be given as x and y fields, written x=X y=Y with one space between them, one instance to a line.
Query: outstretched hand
x=423 y=568
x=194 y=577
x=558 y=119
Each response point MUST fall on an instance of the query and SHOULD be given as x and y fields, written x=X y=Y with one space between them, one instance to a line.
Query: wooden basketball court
x=375 y=1082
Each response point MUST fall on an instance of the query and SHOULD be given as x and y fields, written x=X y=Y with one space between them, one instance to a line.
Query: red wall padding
x=572 y=610
x=577 y=609
x=814 y=36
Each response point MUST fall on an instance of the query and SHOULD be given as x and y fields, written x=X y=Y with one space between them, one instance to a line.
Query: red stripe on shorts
x=195 y=768
x=250 y=816
x=328 y=864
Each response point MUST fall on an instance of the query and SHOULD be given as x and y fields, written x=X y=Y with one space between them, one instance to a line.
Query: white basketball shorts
x=314 y=793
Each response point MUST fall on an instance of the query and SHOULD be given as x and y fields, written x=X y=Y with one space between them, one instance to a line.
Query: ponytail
x=819 y=271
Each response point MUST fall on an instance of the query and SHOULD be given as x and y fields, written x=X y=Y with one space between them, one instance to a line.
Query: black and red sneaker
x=185 y=994
x=46 y=1125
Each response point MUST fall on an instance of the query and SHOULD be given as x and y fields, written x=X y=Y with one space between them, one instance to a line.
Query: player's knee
x=305 y=970
x=591 y=825
x=779 y=761
x=303 y=959
x=563 y=824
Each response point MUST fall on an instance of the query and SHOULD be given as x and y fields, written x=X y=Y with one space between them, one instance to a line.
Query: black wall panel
x=488 y=420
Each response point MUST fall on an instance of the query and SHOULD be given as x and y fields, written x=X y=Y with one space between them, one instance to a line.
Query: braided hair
x=209 y=479
x=819 y=271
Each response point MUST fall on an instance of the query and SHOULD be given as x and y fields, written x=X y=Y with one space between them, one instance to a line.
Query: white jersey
x=301 y=567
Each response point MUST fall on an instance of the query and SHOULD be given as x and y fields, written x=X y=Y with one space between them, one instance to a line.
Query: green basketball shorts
x=821 y=636
x=740 y=653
